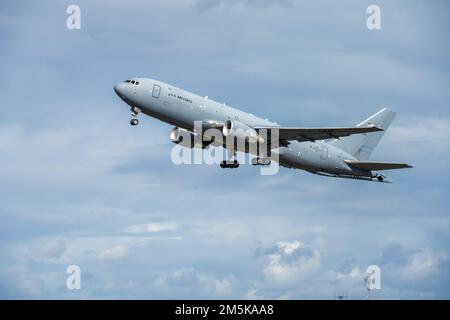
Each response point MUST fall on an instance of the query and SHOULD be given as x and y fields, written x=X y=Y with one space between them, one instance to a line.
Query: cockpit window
x=136 y=83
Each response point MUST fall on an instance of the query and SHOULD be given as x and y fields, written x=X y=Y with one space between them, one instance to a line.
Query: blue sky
x=78 y=185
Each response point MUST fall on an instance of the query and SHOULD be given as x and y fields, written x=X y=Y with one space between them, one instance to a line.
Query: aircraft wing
x=376 y=166
x=313 y=134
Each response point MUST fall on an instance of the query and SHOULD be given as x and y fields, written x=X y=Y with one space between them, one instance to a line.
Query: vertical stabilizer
x=362 y=145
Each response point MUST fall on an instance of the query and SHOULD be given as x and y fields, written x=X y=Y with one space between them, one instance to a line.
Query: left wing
x=313 y=134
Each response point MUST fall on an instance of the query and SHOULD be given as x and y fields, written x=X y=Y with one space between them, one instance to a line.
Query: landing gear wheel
x=264 y=161
x=134 y=122
x=226 y=164
x=261 y=161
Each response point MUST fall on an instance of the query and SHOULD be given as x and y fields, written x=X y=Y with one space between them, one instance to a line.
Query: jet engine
x=240 y=131
x=182 y=137
x=188 y=139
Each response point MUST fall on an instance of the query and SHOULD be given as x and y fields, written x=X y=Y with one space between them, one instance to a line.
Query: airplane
x=340 y=152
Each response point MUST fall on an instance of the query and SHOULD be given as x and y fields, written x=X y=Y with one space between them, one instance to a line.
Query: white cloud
x=421 y=130
x=252 y=294
x=114 y=253
x=223 y=287
x=423 y=264
x=52 y=249
x=68 y=154
x=416 y=139
x=152 y=227
x=289 y=247
x=288 y=264
x=192 y=280
x=354 y=273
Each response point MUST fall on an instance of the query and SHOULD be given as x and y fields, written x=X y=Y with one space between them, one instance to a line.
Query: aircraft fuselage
x=181 y=108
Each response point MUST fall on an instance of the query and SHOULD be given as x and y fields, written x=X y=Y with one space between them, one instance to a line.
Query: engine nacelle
x=188 y=139
x=182 y=137
x=240 y=131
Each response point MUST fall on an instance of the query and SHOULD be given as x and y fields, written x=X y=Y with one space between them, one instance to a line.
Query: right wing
x=313 y=134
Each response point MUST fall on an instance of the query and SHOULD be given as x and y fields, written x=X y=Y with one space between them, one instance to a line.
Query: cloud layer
x=80 y=186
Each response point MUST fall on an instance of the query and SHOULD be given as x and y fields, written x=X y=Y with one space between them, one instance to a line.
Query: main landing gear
x=134 y=113
x=231 y=161
x=260 y=161
x=229 y=164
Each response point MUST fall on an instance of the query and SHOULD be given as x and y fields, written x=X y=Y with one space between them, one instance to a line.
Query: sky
x=80 y=186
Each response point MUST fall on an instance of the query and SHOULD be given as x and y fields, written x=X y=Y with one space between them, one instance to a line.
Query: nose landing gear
x=134 y=113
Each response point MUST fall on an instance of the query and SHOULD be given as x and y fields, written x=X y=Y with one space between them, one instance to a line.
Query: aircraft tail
x=362 y=145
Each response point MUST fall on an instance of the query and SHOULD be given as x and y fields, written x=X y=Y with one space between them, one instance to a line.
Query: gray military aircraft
x=335 y=152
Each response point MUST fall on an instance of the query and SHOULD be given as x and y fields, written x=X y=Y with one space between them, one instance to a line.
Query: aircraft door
x=156 y=91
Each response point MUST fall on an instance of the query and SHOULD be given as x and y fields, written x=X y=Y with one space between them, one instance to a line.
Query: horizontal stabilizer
x=376 y=166
x=313 y=134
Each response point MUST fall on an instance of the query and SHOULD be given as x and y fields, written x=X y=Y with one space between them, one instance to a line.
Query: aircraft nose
x=118 y=88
